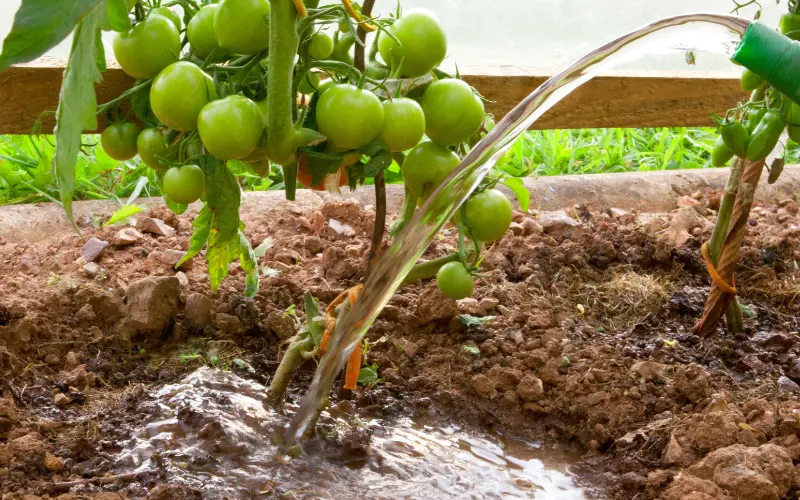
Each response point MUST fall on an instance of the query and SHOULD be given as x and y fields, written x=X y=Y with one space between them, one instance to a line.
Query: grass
x=25 y=171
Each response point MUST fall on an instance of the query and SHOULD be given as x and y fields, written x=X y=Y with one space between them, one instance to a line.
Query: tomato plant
x=242 y=26
x=422 y=47
x=178 y=94
x=404 y=124
x=153 y=148
x=149 y=47
x=202 y=34
x=453 y=113
x=119 y=140
x=348 y=116
x=426 y=166
x=488 y=215
x=230 y=128
x=184 y=184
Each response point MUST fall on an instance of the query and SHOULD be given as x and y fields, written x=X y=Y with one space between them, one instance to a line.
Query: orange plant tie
x=301 y=8
x=348 y=5
x=712 y=271
x=350 y=294
x=353 y=367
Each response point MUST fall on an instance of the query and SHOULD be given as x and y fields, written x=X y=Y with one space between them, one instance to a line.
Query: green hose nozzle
x=772 y=56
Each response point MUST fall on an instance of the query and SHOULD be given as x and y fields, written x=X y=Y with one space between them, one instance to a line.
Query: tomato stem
x=428 y=268
x=283 y=41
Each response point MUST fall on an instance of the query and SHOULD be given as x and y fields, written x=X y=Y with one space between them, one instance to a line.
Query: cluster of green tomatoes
x=204 y=80
x=752 y=131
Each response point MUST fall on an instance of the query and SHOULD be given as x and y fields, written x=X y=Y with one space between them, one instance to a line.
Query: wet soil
x=578 y=337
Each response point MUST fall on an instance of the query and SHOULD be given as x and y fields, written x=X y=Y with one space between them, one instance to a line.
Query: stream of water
x=715 y=33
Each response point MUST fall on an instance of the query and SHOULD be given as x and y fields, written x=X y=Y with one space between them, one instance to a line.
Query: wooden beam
x=620 y=99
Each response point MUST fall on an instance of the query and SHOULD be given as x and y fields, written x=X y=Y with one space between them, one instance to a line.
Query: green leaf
x=123 y=213
x=244 y=365
x=314 y=322
x=101 y=51
x=118 y=15
x=471 y=349
x=76 y=103
x=520 y=191
x=368 y=375
x=202 y=228
x=40 y=25
x=475 y=322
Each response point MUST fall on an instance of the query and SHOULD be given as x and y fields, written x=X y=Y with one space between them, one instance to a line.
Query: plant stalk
x=428 y=268
x=290 y=362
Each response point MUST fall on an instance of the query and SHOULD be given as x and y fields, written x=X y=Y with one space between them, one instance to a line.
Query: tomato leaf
x=368 y=375
x=123 y=213
x=76 y=104
x=118 y=15
x=101 y=51
x=516 y=185
x=40 y=25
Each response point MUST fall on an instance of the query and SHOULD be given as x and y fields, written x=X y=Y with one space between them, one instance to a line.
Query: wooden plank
x=618 y=99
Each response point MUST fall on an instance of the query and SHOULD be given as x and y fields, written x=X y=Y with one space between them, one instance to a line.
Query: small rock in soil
x=30 y=263
x=484 y=386
x=516 y=228
x=505 y=378
x=91 y=269
x=198 y=310
x=182 y=279
x=596 y=398
x=530 y=226
x=71 y=361
x=229 y=324
x=433 y=306
x=172 y=257
x=127 y=236
x=693 y=383
x=689 y=487
x=787 y=386
x=683 y=221
x=281 y=325
x=78 y=377
x=673 y=453
x=556 y=222
x=154 y=226
x=530 y=388
x=5 y=315
x=27 y=452
x=152 y=305
x=92 y=249
x=61 y=400
x=336 y=263
x=8 y=416
x=53 y=463
x=174 y=492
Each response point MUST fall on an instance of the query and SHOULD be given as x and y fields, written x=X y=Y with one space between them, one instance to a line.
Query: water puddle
x=215 y=435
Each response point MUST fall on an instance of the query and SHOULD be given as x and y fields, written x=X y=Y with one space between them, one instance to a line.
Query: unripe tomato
x=454 y=281
x=320 y=46
x=765 y=136
x=169 y=14
x=403 y=124
x=203 y=35
x=721 y=154
x=488 y=215
x=750 y=81
x=736 y=137
x=423 y=43
x=753 y=118
x=184 y=184
x=790 y=25
x=350 y=117
x=230 y=128
x=243 y=25
x=119 y=140
x=179 y=93
x=153 y=148
x=309 y=84
x=149 y=47
x=426 y=166
x=453 y=113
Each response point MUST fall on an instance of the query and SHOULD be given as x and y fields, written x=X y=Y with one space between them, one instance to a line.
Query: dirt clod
x=152 y=304
x=281 y=325
x=198 y=310
x=126 y=237
x=92 y=249
x=693 y=382
x=154 y=226
x=433 y=306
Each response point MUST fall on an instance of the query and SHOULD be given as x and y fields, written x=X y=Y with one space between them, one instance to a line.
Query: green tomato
x=179 y=93
x=377 y=71
x=765 y=136
x=202 y=34
x=320 y=46
x=488 y=215
x=148 y=48
x=243 y=25
x=153 y=148
x=720 y=154
x=184 y=184
x=426 y=166
x=309 y=84
x=790 y=25
x=753 y=118
x=453 y=113
x=794 y=132
x=750 y=81
x=423 y=45
x=736 y=137
x=119 y=140
x=169 y=14
x=230 y=128
x=348 y=116
x=454 y=281
x=403 y=124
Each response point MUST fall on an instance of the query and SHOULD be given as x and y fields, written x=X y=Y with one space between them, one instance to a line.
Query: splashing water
x=715 y=33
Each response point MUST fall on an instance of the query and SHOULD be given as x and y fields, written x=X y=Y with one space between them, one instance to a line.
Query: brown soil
x=590 y=347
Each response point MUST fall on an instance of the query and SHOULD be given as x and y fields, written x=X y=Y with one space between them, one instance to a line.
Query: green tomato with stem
x=230 y=128
x=750 y=81
x=423 y=45
x=309 y=84
x=119 y=140
x=348 y=116
x=488 y=215
x=153 y=148
x=426 y=167
x=184 y=184
x=169 y=14
x=179 y=93
x=148 y=48
x=753 y=118
x=720 y=154
x=736 y=136
x=320 y=46
x=453 y=113
x=454 y=281
x=765 y=136
x=790 y=25
x=202 y=34
x=403 y=124
x=242 y=26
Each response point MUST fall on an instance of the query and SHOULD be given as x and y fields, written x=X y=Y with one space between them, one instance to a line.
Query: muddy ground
x=590 y=347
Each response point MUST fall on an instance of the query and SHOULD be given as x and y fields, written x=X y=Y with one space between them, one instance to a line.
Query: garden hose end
x=772 y=56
